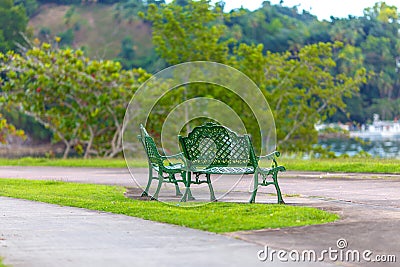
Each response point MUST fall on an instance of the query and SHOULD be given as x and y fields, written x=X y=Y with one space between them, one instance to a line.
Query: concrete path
x=368 y=204
x=39 y=234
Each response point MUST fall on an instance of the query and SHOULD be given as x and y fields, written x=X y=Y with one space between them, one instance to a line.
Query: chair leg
x=177 y=190
x=212 y=195
x=278 y=190
x=146 y=191
x=186 y=178
x=160 y=181
x=255 y=188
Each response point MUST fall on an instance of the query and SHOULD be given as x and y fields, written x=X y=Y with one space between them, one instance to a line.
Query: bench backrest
x=213 y=145
x=150 y=148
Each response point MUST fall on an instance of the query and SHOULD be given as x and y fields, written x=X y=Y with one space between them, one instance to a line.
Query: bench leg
x=146 y=190
x=188 y=194
x=278 y=190
x=212 y=195
x=255 y=188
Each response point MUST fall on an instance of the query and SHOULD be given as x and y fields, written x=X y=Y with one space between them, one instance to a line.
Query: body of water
x=389 y=148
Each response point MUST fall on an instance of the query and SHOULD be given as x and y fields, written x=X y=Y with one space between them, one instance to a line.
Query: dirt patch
x=50 y=15
x=136 y=194
x=43 y=150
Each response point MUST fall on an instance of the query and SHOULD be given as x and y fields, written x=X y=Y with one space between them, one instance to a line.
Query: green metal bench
x=215 y=149
x=165 y=173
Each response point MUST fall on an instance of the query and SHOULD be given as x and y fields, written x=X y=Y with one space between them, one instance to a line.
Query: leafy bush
x=81 y=101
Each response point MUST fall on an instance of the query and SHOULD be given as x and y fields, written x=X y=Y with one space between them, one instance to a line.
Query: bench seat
x=225 y=170
x=174 y=168
x=235 y=170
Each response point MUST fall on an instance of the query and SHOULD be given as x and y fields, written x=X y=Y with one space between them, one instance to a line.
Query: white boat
x=378 y=129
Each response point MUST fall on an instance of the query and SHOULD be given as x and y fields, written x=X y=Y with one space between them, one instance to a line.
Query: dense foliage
x=81 y=101
x=13 y=21
x=371 y=41
x=310 y=70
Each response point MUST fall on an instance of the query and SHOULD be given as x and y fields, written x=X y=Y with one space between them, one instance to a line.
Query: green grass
x=372 y=165
x=72 y=162
x=214 y=217
x=1 y=263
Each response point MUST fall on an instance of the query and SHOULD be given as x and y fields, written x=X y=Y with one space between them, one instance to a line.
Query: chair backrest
x=150 y=148
x=213 y=145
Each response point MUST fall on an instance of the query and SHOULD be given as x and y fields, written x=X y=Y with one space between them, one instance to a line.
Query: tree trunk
x=89 y=146
x=67 y=149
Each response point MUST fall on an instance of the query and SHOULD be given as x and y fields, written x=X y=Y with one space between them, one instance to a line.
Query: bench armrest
x=271 y=156
x=178 y=156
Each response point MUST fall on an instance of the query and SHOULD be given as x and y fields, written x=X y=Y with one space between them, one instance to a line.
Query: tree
x=190 y=32
x=382 y=12
x=130 y=9
x=381 y=48
x=31 y=6
x=302 y=88
x=13 y=21
x=127 y=55
x=278 y=28
x=81 y=101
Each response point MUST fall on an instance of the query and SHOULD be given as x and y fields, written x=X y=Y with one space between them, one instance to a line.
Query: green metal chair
x=165 y=173
x=264 y=173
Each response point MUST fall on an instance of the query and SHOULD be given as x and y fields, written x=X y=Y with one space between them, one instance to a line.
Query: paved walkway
x=37 y=234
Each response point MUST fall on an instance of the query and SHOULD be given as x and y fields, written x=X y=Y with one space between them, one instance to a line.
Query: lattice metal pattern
x=212 y=145
x=215 y=149
x=152 y=152
x=154 y=156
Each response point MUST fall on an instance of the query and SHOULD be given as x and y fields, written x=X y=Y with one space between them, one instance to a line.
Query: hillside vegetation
x=94 y=29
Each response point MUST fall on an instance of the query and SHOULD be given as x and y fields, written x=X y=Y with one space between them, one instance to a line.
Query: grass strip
x=368 y=165
x=72 y=162
x=214 y=217
x=360 y=165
